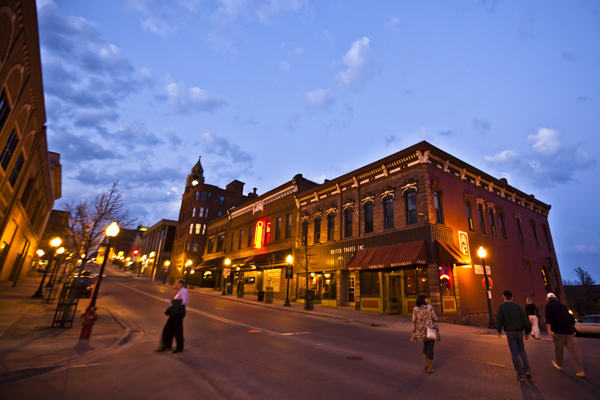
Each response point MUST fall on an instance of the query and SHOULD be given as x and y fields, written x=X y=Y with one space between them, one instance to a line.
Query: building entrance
x=394 y=302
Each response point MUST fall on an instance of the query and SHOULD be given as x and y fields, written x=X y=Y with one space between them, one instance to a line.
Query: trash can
x=229 y=289
x=311 y=299
x=261 y=295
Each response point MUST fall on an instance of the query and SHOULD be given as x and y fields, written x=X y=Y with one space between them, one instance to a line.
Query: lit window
x=198 y=227
x=191 y=229
x=193 y=212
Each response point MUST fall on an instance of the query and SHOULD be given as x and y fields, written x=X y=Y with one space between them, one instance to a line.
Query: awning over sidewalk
x=275 y=256
x=215 y=262
x=398 y=255
x=448 y=253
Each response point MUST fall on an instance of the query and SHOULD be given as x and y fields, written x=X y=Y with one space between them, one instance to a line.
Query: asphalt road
x=239 y=351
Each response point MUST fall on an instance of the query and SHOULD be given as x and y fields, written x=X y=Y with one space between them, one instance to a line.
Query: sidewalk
x=28 y=343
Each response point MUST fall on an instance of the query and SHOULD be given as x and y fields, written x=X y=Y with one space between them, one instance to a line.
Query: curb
x=34 y=371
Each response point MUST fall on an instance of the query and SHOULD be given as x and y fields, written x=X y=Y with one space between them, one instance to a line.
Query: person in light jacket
x=533 y=314
x=424 y=317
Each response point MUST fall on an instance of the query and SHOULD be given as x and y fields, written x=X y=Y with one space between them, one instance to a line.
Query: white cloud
x=284 y=66
x=584 y=249
x=504 y=157
x=359 y=68
x=319 y=99
x=264 y=11
x=546 y=142
x=184 y=100
x=394 y=21
x=217 y=144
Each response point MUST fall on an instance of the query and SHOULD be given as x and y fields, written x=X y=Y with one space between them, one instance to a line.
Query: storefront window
x=422 y=280
x=416 y=281
x=369 y=284
x=410 y=284
x=446 y=280
x=329 y=286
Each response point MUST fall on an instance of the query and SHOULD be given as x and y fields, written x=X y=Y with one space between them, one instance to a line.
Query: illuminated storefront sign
x=262 y=234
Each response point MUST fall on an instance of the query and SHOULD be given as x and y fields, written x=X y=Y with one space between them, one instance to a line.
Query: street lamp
x=289 y=273
x=111 y=231
x=54 y=243
x=167 y=263
x=227 y=264
x=188 y=263
x=482 y=253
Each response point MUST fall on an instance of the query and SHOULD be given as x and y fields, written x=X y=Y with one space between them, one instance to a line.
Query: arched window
x=348 y=223
x=368 y=209
x=546 y=279
x=482 y=218
x=388 y=212
x=317 y=235
x=469 y=215
x=410 y=202
x=520 y=231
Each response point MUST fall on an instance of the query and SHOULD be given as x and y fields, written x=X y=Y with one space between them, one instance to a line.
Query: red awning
x=398 y=255
x=448 y=253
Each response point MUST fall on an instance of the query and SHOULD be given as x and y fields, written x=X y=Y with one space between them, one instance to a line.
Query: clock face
x=194 y=183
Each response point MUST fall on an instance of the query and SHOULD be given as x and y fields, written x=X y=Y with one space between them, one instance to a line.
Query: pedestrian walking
x=425 y=328
x=533 y=314
x=511 y=317
x=560 y=326
x=174 y=325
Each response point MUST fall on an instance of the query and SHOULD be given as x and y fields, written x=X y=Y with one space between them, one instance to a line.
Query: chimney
x=504 y=180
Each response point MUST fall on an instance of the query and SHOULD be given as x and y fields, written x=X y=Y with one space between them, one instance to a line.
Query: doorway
x=394 y=303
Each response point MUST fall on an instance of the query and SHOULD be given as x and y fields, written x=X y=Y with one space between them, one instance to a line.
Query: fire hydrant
x=88 y=319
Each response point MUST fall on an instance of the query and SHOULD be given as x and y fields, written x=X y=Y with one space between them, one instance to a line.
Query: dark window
x=220 y=242
x=203 y=195
x=206 y=213
x=547 y=235
x=520 y=231
x=187 y=245
x=250 y=230
x=502 y=225
x=317 y=238
x=288 y=225
x=219 y=213
x=437 y=203
x=369 y=284
x=211 y=245
x=348 y=223
x=240 y=239
x=195 y=246
x=330 y=227
x=9 y=150
x=481 y=212
x=388 y=213
x=196 y=196
x=304 y=233
x=278 y=228
x=232 y=241
x=193 y=212
x=410 y=199
x=369 y=218
x=469 y=215
x=209 y=195
x=4 y=109
x=537 y=242
x=222 y=201
x=29 y=189
x=492 y=222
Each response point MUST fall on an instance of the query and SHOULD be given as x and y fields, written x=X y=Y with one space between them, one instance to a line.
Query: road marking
x=212 y=316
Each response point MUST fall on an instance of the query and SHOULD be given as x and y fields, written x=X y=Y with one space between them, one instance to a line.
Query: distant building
x=405 y=225
x=200 y=204
x=30 y=176
x=157 y=246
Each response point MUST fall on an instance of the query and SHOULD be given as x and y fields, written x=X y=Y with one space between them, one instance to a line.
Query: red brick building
x=409 y=224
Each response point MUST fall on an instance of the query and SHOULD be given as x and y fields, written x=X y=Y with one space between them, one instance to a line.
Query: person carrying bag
x=425 y=328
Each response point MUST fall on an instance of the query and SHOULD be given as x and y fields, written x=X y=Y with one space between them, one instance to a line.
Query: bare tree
x=87 y=222
x=305 y=257
x=585 y=303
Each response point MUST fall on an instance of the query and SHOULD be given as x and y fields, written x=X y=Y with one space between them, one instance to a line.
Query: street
x=235 y=350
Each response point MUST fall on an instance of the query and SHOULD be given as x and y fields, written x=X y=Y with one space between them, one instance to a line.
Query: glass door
x=393 y=295
x=350 y=289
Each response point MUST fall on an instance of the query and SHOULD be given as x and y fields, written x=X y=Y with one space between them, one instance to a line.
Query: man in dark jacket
x=560 y=326
x=512 y=318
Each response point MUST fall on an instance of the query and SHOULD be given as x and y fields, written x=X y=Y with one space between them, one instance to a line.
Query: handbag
x=433 y=334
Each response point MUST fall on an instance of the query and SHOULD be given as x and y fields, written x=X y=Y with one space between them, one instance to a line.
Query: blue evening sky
x=136 y=90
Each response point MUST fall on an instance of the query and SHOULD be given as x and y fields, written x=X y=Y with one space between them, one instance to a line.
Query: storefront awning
x=448 y=253
x=275 y=256
x=398 y=255
x=215 y=262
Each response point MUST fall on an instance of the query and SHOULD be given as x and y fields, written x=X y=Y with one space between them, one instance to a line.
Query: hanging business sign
x=226 y=272
x=479 y=269
x=289 y=272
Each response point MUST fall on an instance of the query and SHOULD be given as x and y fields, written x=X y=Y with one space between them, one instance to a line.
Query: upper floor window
x=317 y=238
x=187 y=245
x=437 y=204
x=232 y=241
x=368 y=208
x=193 y=212
x=410 y=200
x=469 y=215
x=9 y=150
x=240 y=239
x=219 y=213
x=388 y=212
x=278 y=228
x=288 y=225
x=195 y=246
x=520 y=231
x=211 y=245
x=348 y=223
x=196 y=196
x=220 y=242
x=330 y=227
x=250 y=231
x=492 y=221
x=547 y=236
x=481 y=212
x=4 y=109
x=198 y=227
x=533 y=227
x=222 y=201
x=16 y=171
x=203 y=195
x=502 y=225
x=305 y=233
x=191 y=229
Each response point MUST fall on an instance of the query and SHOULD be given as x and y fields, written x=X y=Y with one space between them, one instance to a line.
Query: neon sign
x=258 y=234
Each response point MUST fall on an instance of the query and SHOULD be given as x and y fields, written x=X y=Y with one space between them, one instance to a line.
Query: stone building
x=200 y=204
x=30 y=176
x=157 y=247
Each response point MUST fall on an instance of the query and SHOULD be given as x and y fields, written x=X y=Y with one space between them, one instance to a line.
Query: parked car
x=588 y=325
x=42 y=265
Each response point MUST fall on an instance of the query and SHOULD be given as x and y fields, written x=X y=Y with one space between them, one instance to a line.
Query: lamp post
x=488 y=292
x=289 y=273
x=227 y=264
x=167 y=263
x=111 y=231
x=188 y=263
x=54 y=243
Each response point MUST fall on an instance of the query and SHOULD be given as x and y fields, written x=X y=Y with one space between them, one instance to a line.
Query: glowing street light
x=111 y=231
x=488 y=292
x=289 y=273
x=227 y=264
x=54 y=243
